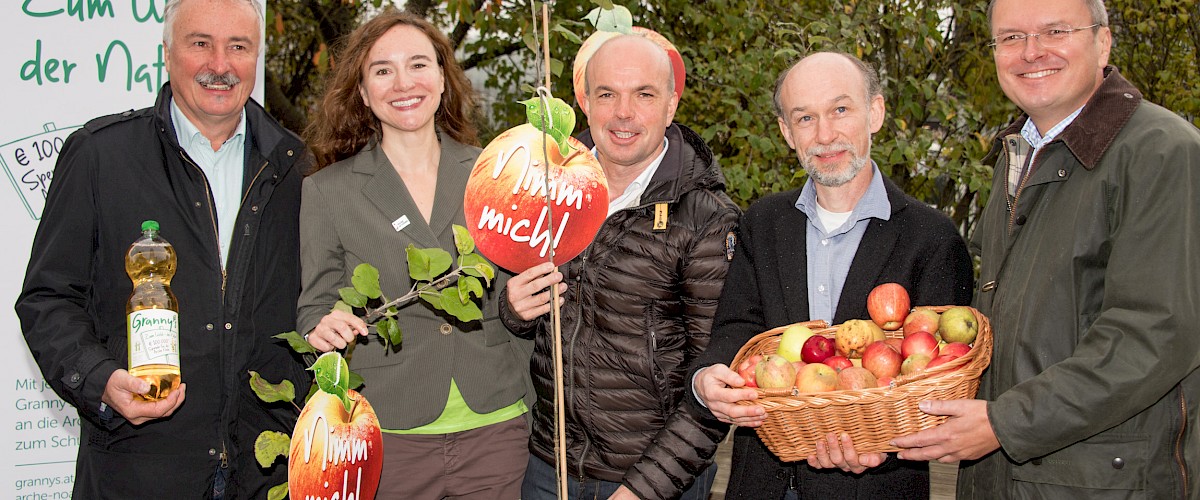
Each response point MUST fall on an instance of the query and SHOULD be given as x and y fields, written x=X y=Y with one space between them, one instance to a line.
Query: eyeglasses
x=1049 y=37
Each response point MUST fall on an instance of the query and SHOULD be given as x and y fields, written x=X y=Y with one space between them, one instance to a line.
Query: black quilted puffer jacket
x=638 y=310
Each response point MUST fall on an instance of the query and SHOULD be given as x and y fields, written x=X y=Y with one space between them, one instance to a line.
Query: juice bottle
x=153 y=313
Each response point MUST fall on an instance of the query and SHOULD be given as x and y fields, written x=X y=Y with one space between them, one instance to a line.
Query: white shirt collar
x=632 y=195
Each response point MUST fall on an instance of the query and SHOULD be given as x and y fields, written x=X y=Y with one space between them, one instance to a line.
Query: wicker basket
x=872 y=417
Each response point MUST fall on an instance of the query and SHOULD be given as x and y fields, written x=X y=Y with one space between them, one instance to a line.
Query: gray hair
x=1095 y=8
x=870 y=79
x=587 y=85
x=172 y=9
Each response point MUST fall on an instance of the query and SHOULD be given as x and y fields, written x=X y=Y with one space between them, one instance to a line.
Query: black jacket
x=114 y=173
x=639 y=305
x=767 y=287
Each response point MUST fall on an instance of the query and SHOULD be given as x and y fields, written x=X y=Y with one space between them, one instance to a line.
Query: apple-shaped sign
x=506 y=205
x=598 y=38
x=335 y=453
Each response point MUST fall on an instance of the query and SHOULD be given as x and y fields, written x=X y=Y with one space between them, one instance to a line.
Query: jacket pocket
x=1106 y=461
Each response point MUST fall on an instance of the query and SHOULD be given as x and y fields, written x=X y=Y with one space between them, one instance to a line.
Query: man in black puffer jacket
x=637 y=303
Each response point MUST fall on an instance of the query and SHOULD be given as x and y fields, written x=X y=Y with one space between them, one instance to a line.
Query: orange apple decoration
x=598 y=38
x=888 y=305
x=505 y=203
x=335 y=453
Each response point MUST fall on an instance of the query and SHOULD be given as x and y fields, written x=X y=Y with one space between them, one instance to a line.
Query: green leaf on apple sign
x=366 y=280
x=270 y=393
x=269 y=446
x=333 y=376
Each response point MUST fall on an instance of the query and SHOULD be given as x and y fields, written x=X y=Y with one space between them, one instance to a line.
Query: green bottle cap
x=150 y=225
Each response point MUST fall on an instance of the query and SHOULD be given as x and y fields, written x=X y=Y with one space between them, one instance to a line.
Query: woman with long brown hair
x=395 y=145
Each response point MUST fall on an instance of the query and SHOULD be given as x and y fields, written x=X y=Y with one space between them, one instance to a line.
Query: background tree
x=944 y=104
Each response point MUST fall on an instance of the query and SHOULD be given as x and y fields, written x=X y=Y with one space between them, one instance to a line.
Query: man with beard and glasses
x=815 y=254
x=222 y=178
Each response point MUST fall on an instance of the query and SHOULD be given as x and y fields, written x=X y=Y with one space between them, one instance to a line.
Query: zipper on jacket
x=212 y=217
x=1179 y=461
x=568 y=377
x=224 y=456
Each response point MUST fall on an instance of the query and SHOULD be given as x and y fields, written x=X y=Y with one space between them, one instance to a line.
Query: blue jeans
x=541 y=483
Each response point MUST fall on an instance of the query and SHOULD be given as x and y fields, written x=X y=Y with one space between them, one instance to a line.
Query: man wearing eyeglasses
x=1090 y=248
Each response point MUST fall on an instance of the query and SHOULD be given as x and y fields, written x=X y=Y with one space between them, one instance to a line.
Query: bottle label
x=153 y=337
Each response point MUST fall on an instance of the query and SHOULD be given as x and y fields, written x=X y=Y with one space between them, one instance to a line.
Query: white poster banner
x=65 y=62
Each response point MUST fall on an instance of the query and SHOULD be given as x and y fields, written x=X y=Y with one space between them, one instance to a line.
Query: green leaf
x=270 y=393
x=342 y=306
x=425 y=264
x=333 y=376
x=475 y=265
x=556 y=68
x=434 y=299
x=366 y=280
x=389 y=330
x=356 y=381
x=462 y=240
x=296 y=342
x=611 y=17
x=467 y=286
x=270 y=445
x=605 y=4
x=568 y=34
x=465 y=312
x=351 y=297
x=280 y=491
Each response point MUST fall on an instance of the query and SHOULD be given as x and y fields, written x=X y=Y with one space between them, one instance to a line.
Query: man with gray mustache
x=815 y=254
x=222 y=178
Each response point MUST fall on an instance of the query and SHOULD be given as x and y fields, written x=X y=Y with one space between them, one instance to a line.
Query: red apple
x=885 y=381
x=791 y=342
x=816 y=377
x=598 y=38
x=838 y=363
x=919 y=343
x=939 y=361
x=856 y=378
x=921 y=320
x=916 y=363
x=882 y=360
x=888 y=305
x=895 y=342
x=956 y=349
x=335 y=454
x=816 y=349
x=775 y=372
x=505 y=201
x=746 y=370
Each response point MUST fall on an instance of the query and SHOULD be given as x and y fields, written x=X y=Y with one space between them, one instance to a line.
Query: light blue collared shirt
x=831 y=252
x=1029 y=131
x=224 y=169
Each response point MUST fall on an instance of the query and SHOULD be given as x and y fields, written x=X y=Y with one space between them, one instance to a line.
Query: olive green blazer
x=352 y=212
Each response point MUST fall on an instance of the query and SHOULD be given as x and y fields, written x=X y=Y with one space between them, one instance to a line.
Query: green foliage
x=269 y=445
x=296 y=342
x=943 y=102
x=332 y=375
x=270 y=393
x=558 y=121
x=278 y=492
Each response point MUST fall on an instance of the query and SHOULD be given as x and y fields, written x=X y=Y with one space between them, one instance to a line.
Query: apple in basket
x=888 y=305
x=816 y=377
